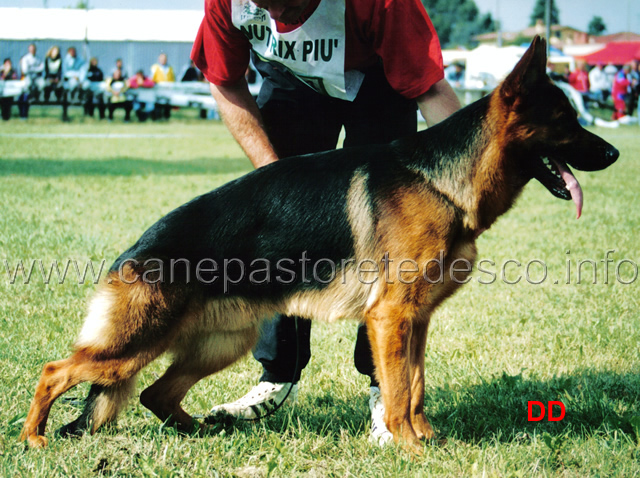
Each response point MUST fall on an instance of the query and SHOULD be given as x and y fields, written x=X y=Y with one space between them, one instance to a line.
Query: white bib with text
x=314 y=52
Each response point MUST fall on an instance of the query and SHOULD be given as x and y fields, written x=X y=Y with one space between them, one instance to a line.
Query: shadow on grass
x=495 y=410
x=47 y=168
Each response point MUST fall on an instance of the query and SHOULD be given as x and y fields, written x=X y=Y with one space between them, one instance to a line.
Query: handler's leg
x=298 y=121
x=378 y=115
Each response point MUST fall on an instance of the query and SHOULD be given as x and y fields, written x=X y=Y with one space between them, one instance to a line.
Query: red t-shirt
x=398 y=32
x=579 y=80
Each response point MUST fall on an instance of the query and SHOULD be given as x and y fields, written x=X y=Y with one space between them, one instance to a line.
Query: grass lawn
x=87 y=190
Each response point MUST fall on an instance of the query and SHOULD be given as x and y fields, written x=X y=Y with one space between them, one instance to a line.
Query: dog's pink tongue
x=573 y=186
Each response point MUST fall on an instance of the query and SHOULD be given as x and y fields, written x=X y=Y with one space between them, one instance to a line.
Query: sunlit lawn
x=492 y=348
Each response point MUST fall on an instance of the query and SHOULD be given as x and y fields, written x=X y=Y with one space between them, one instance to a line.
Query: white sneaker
x=380 y=434
x=262 y=398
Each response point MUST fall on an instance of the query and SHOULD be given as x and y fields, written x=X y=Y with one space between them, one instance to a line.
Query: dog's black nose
x=612 y=154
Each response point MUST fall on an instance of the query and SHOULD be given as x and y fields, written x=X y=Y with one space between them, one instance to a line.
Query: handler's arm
x=438 y=103
x=240 y=113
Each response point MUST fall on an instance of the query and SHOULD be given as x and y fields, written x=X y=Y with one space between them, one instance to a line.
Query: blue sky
x=618 y=15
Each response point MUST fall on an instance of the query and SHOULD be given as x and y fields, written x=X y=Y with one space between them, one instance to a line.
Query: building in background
x=136 y=36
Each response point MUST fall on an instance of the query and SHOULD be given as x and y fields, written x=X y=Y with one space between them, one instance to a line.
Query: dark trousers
x=23 y=105
x=5 y=107
x=299 y=121
x=126 y=105
x=91 y=101
x=61 y=95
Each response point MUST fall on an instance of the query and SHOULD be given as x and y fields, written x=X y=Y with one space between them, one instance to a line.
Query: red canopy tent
x=617 y=53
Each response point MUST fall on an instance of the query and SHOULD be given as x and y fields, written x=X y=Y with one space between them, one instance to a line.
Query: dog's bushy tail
x=131 y=321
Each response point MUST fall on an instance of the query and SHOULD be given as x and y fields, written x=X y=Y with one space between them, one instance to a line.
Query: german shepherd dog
x=426 y=196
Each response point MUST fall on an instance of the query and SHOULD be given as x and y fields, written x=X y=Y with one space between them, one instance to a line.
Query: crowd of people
x=603 y=84
x=69 y=79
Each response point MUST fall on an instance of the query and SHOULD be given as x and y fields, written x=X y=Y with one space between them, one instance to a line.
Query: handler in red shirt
x=327 y=64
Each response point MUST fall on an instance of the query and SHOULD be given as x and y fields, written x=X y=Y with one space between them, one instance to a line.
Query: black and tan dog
x=327 y=236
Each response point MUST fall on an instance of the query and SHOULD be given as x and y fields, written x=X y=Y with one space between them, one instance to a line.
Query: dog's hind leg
x=102 y=405
x=419 y=420
x=58 y=377
x=129 y=324
x=194 y=359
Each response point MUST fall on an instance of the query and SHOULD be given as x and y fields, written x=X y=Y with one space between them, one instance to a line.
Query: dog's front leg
x=389 y=332
x=421 y=425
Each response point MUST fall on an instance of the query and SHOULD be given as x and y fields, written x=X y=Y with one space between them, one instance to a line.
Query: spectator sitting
x=7 y=73
x=599 y=85
x=455 y=74
x=161 y=72
x=140 y=81
x=72 y=72
x=579 y=80
x=120 y=66
x=30 y=65
x=116 y=87
x=52 y=71
x=191 y=73
x=93 y=89
x=53 y=79
x=31 y=68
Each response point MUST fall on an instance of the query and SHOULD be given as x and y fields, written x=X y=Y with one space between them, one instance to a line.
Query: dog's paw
x=37 y=441
x=71 y=430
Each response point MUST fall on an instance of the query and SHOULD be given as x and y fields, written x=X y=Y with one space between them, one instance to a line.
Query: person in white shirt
x=73 y=71
x=599 y=84
x=31 y=68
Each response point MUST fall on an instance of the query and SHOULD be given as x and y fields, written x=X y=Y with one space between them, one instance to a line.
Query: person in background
x=141 y=81
x=7 y=73
x=53 y=79
x=120 y=66
x=599 y=85
x=31 y=68
x=610 y=71
x=142 y=109
x=191 y=73
x=73 y=72
x=579 y=80
x=455 y=74
x=116 y=89
x=162 y=72
x=554 y=74
x=93 y=90
x=620 y=92
x=634 y=93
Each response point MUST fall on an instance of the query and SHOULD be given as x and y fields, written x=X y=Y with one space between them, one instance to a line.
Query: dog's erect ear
x=531 y=69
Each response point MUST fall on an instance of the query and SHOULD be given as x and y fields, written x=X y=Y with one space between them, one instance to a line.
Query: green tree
x=457 y=21
x=596 y=26
x=539 y=12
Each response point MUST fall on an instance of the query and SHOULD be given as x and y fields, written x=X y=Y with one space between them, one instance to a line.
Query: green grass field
x=492 y=348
